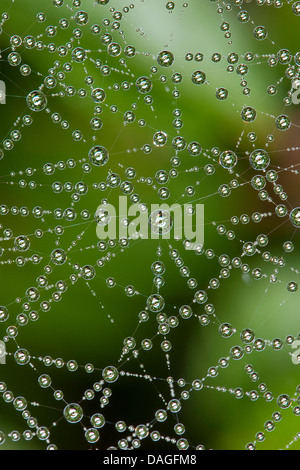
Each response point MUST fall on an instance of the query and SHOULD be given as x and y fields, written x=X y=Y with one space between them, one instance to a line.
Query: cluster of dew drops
x=98 y=156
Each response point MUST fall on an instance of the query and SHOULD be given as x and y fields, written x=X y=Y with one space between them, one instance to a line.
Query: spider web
x=130 y=343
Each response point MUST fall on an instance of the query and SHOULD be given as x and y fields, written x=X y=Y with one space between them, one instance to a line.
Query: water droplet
x=165 y=58
x=73 y=413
